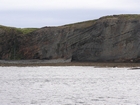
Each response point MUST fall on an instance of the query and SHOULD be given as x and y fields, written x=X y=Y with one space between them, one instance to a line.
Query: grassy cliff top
x=21 y=30
x=123 y=16
x=26 y=30
x=90 y=22
x=78 y=24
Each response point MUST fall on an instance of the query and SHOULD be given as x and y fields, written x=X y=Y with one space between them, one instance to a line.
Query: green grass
x=81 y=24
x=5 y=28
x=18 y=30
x=91 y=22
x=26 y=30
x=123 y=16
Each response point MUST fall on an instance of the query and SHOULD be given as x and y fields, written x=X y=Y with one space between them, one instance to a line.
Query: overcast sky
x=40 y=13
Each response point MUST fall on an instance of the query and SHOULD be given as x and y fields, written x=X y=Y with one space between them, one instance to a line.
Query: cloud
x=69 y=4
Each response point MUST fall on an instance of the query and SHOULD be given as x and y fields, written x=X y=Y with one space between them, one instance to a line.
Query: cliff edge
x=108 y=39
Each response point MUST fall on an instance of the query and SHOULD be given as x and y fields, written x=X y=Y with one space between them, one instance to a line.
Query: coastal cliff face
x=8 y=42
x=108 y=39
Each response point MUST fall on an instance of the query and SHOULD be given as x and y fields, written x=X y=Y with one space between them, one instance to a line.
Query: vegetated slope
x=108 y=39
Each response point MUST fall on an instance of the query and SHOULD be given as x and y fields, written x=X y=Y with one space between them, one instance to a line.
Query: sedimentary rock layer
x=108 y=39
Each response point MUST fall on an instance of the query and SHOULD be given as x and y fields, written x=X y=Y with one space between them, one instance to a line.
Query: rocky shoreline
x=62 y=62
x=107 y=39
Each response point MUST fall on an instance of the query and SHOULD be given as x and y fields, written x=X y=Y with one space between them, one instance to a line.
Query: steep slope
x=108 y=39
x=10 y=39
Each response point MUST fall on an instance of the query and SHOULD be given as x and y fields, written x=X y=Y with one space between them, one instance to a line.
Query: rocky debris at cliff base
x=108 y=39
x=34 y=61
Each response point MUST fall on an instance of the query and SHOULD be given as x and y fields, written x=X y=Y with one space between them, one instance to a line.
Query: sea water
x=69 y=85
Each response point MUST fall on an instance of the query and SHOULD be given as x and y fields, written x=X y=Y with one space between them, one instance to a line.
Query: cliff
x=108 y=39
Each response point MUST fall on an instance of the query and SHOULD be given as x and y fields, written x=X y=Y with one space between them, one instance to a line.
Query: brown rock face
x=9 y=43
x=108 y=39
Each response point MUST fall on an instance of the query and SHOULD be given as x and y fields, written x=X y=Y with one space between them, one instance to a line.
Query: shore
x=61 y=62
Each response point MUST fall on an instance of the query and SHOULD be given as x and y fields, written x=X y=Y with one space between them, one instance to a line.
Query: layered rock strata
x=108 y=39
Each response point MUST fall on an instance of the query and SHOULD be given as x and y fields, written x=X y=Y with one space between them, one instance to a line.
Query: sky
x=40 y=13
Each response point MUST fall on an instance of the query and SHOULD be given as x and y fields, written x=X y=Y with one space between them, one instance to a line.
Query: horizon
x=70 y=23
x=40 y=13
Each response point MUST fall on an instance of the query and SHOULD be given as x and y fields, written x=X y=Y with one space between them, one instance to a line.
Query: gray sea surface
x=69 y=85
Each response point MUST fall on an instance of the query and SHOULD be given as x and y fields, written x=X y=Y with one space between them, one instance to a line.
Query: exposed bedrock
x=108 y=39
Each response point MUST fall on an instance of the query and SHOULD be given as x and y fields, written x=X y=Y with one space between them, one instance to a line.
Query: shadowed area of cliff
x=107 y=39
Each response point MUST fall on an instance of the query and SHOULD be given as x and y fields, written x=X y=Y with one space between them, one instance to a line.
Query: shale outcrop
x=108 y=39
